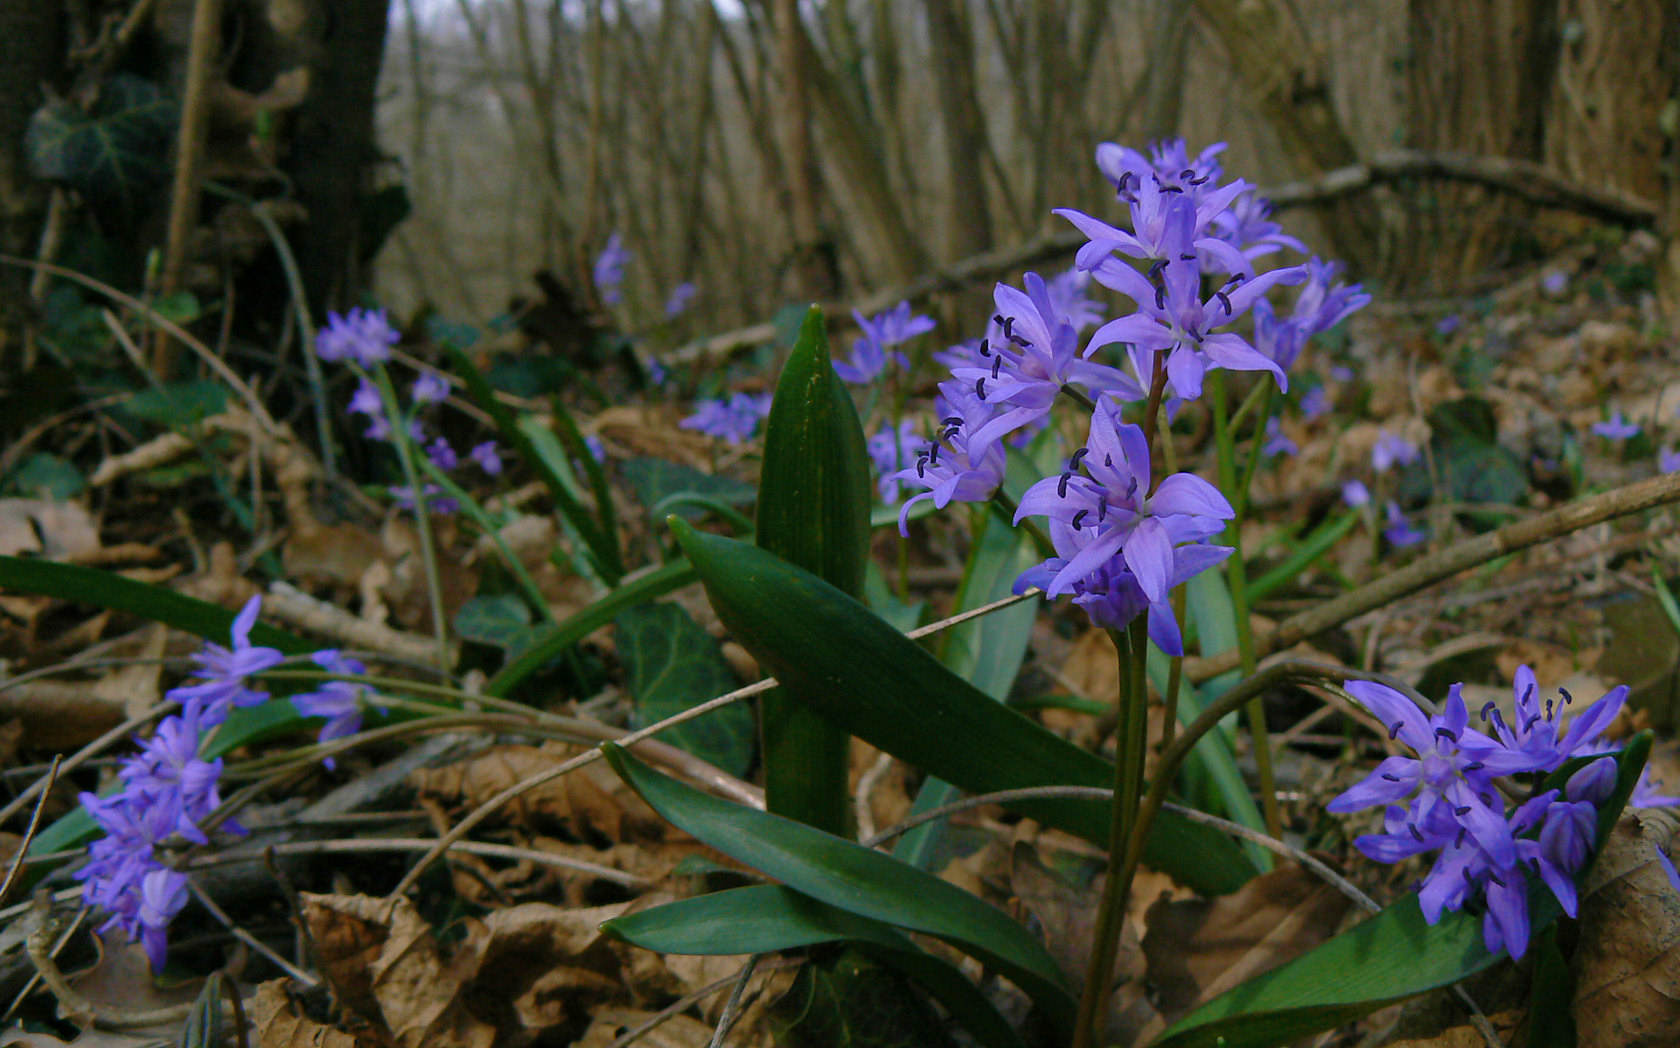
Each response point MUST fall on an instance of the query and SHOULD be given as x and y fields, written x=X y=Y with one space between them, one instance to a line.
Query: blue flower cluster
x=365 y=337
x=1449 y=798
x=734 y=420
x=168 y=790
x=1123 y=536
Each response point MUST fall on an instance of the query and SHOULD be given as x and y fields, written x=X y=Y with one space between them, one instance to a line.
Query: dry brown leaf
x=677 y=1031
x=544 y=965
x=590 y=801
x=414 y=988
x=19 y=1038
x=121 y=981
x=279 y=1024
x=1196 y=949
x=56 y=530
x=1627 y=962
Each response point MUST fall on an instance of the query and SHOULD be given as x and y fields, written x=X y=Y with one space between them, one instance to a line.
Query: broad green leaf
x=501 y=620
x=178 y=405
x=813 y=510
x=1394 y=955
x=672 y=665
x=851 y=877
x=769 y=918
x=882 y=687
x=552 y=641
x=657 y=481
x=116 y=154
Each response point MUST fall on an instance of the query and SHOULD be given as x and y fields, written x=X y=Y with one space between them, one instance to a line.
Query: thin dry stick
x=675 y=1008
x=29 y=834
x=1436 y=567
x=732 y=1007
x=247 y=938
x=489 y=807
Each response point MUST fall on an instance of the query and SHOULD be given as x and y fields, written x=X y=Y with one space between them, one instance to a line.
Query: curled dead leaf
x=281 y=1025
x=591 y=801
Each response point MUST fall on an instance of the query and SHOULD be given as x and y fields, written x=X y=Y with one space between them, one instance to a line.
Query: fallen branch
x=1442 y=565
x=1524 y=179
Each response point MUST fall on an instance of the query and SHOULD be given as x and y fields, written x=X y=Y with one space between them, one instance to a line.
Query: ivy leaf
x=115 y=154
x=501 y=621
x=657 y=480
x=673 y=664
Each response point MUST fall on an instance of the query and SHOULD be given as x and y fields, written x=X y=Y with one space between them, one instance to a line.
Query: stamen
x=980 y=388
x=1475 y=766
x=921 y=466
x=1390 y=777
x=1102 y=510
x=1445 y=733
x=1077 y=517
x=1188 y=256
x=1548 y=709
x=1495 y=878
x=1394 y=729
x=1160 y=298
x=1061 y=486
x=1108 y=460
x=1008 y=328
x=933 y=454
x=1532 y=721
x=953 y=421
x=1224 y=301
x=997 y=362
x=1413 y=830
x=1567 y=698
x=1489 y=705
x=985 y=347
x=1155 y=268
x=1458 y=841
x=1073 y=459
x=1462 y=811
x=1528 y=694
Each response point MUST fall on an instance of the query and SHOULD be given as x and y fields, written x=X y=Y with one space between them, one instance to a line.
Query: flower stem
x=1130 y=743
x=1236 y=571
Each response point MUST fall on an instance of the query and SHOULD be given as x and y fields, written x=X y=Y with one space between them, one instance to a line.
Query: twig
x=29 y=835
x=247 y=938
x=732 y=1007
x=71 y=1004
x=1435 y=567
x=675 y=1008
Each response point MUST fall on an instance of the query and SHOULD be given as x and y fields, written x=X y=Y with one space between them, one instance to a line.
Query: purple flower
x=1247 y=224
x=1668 y=460
x=1390 y=451
x=1341 y=373
x=1069 y=300
x=1448 y=324
x=442 y=455
x=1616 y=427
x=735 y=420
x=1172 y=317
x=952 y=468
x=339 y=701
x=362 y=335
x=883 y=331
x=1647 y=793
x=656 y=372
x=163 y=893
x=1035 y=352
x=487 y=457
x=1112 y=596
x=1276 y=442
x=1534 y=730
x=224 y=671
x=609 y=270
x=1168 y=163
x=430 y=388
x=1668 y=869
x=1355 y=493
x=678 y=301
x=1555 y=283
x=890 y=452
x=1399 y=533
x=1315 y=403
x=1108 y=510
x=436 y=500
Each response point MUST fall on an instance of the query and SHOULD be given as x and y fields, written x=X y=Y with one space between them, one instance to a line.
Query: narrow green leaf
x=767 y=918
x=603 y=548
x=1394 y=955
x=673 y=664
x=549 y=644
x=1551 y=1014
x=1304 y=555
x=813 y=510
x=851 y=877
x=877 y=684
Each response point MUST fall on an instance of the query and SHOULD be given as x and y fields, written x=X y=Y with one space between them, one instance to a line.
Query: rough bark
x=968 y=223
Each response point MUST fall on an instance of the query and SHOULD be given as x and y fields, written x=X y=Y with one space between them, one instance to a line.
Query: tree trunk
x=968 y=221
x=1285 y=78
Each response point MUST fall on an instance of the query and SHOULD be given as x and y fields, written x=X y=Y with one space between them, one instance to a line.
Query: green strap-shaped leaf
x=1390 y=957
x=871 y=680
x=856 y=879
x=813 y=510
x=764 y=918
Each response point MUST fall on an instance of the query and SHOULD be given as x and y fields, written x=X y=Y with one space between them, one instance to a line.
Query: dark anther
x=1495 y=878
x=1485 y=798
x=997 y=318
x=1548 y=709
x=1102 y=510
x=1160 y=298
x=933 y=454
x=1489 y=705
x=921 y=466
x=1466 y=871
x=1528 y=694
x=1155 y=268
x=1567 y=698
x=997 y=362
x=1020 y=340
x=1445 y=733
x=1131 y=489
x=1073 y=459
x=980 y=388
x=1199 y=181
x=1188 y=256
x=1532 y=721
x=1462 y=811
x=985 y=347
x=1458 y=841
x=1187 y=174
x=1061 y=486
x=1009 y=327
x=1108 y=460
x=954 y=421
x=1224 y=301
x=1391 y=778
x=1474 y=766
x=1394 y=729
x=1413 y=830
x=1077 y=517
x=1172 y=189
